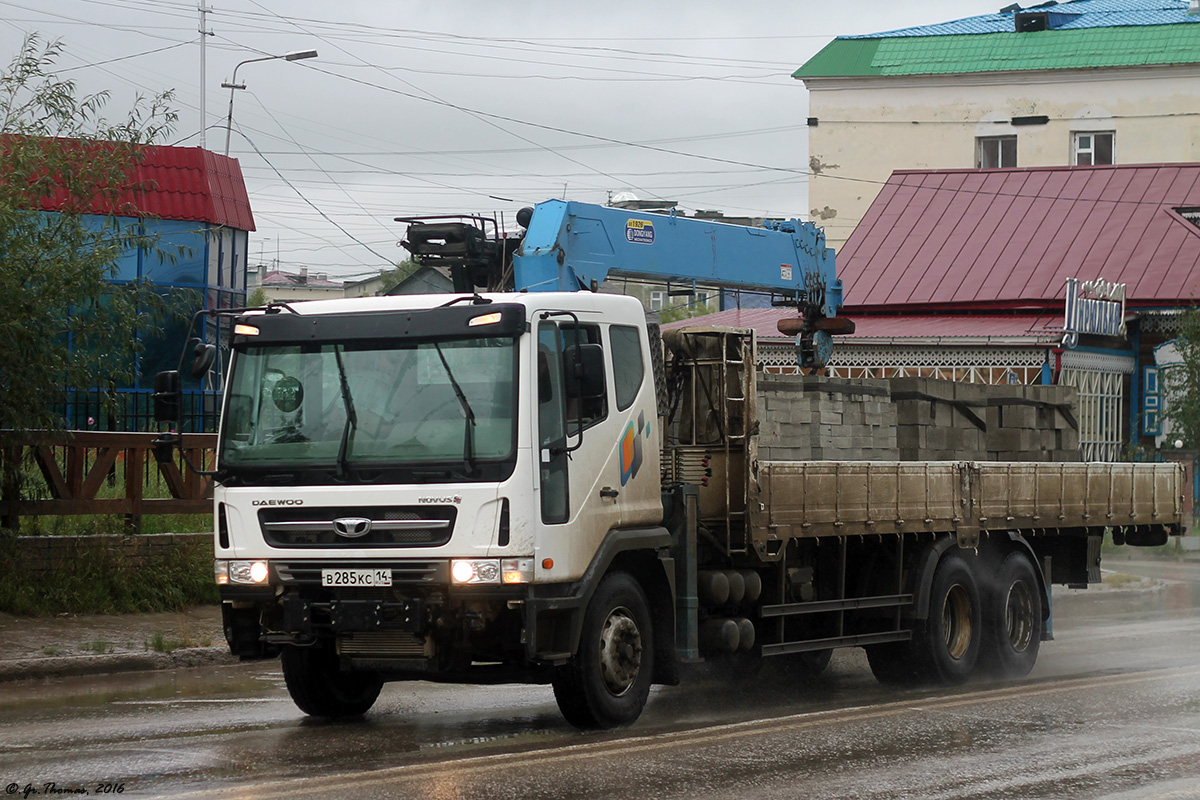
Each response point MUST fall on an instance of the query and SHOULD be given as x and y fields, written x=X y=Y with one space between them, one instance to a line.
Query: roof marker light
x=484 y=319
x=245 y=330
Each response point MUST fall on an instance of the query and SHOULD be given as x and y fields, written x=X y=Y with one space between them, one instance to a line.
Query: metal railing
x=133 y=410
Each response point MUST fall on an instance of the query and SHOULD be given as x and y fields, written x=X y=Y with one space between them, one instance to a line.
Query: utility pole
x=204 y=33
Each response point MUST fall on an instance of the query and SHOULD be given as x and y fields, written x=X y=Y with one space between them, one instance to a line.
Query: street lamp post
x=233 y=85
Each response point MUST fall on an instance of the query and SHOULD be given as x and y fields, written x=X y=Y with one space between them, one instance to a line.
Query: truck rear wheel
x=320 y=689
x=607 y=683
x=947 y=645
x=1013 y=619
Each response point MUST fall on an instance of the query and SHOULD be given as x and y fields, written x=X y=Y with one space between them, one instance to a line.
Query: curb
x=75 y=666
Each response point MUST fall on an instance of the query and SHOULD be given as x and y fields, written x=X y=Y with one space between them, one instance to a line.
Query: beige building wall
x=868 y=127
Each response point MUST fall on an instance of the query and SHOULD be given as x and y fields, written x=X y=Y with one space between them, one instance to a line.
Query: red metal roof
x=1009 y=238
x=186 y=183
x=933 y=328
x=309 y=279
x=196 y=184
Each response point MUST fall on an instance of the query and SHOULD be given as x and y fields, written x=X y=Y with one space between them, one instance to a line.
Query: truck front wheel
x=319 y=688
x=1013 y=619
x=607 y=683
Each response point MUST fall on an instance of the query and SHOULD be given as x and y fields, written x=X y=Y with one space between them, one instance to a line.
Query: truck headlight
x=475 y=570
x=246 y=573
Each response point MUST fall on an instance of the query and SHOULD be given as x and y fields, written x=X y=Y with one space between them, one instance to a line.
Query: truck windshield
x=287 y=406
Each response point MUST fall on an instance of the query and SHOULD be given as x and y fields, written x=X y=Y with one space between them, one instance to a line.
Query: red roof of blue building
x=190 y=183
x=181 y=183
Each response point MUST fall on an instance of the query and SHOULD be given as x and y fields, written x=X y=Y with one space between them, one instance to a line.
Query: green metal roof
x=1002 y=52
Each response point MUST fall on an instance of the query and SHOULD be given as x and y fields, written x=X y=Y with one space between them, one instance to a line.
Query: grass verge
x=101 y=580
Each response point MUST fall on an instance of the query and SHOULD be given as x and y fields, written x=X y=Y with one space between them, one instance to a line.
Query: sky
x=466 y=106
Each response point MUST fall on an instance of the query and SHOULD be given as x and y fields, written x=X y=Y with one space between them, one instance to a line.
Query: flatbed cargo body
x=852 y=498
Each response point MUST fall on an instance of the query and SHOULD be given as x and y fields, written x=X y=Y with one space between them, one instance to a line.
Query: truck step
x=861 y=640
x=821 y=606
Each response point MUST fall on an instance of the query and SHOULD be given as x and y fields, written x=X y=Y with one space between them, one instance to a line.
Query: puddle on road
x=233 y=683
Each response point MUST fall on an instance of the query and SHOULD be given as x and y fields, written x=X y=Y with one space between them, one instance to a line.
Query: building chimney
x=304 y=274
x=1193 y=7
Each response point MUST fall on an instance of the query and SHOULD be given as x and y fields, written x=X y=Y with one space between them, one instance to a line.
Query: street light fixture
x=294 y=55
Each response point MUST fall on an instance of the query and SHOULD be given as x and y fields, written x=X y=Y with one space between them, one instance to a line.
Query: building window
x=658 y=299
x=1151 y=402
x=1093 y=148
x=995 y=152
x=1100 y=400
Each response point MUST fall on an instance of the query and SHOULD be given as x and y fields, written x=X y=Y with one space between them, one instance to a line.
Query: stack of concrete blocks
x=939 y=420
x=1033 y=423
x=945 y=421
x=809 y=418
x=813 y=418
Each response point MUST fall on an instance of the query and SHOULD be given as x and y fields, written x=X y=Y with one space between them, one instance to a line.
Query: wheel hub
x=956 y=622
x=1019 y=617
x=620 y=651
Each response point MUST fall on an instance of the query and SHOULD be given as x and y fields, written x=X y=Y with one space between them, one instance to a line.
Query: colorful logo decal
x=631 y=449
x=639 y=231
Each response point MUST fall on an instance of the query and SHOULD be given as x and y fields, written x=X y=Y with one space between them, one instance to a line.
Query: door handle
x=608 y=491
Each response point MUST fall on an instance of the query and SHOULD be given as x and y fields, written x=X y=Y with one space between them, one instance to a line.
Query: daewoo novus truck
x=538 y=486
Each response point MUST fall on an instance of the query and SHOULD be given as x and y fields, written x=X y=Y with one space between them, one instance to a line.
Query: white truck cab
x=422 y=485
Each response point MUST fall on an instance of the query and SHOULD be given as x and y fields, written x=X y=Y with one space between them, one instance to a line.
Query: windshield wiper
x=469 y=434
x=351 y=415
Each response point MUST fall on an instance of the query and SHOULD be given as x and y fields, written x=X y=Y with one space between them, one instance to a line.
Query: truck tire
x=947 y=644
x=1013 y=619
x=320 y=689
x=607 y=682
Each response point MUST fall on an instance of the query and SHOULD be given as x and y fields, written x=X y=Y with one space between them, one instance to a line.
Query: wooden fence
x=93 y=472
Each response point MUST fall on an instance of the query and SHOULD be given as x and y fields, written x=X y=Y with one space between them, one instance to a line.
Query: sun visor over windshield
x=498 y=320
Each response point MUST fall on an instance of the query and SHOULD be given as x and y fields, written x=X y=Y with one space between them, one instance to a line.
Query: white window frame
x=658 y=299
x=1087 y=150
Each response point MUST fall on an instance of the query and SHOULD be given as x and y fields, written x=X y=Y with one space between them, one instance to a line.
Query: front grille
x=406 y=572
x=379 y=526
x=384 y=644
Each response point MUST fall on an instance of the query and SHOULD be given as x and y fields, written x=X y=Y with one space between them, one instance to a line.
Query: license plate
x=356 y=577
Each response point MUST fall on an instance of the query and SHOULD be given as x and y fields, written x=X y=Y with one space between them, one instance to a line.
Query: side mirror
x=203 y=356
x=167 y=396
x=583 y=367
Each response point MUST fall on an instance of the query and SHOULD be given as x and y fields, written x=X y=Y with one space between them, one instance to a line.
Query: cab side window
x=552 y=428
x=587 y=409
x=627 y=367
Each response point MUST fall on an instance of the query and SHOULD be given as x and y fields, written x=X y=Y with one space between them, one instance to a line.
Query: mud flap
x=1093 y=558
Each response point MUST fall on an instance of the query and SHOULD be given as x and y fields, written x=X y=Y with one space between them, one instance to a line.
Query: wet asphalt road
x=1112 y=710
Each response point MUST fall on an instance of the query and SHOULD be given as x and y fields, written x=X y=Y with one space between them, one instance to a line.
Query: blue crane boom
x=571 y=246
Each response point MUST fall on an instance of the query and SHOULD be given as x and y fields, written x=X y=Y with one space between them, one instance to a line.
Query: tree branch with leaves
x=69 y=210
x=1181 y=382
